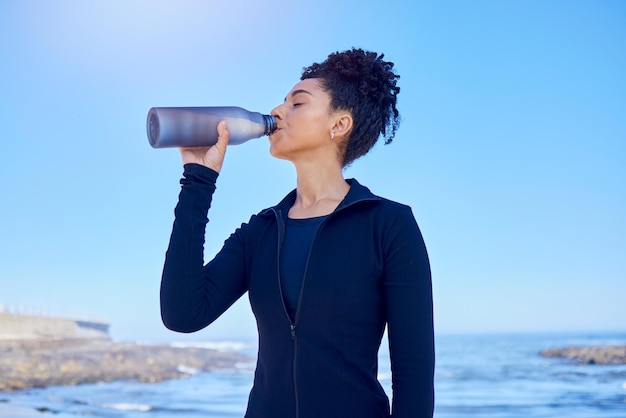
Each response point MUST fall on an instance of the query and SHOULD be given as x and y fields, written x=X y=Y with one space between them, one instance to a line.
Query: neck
x=319 y=189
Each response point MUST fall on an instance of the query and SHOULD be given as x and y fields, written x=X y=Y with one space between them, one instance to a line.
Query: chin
x=275 y=152
x=276 y=149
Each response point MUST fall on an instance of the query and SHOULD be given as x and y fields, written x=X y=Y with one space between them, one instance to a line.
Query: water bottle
x=197 y=126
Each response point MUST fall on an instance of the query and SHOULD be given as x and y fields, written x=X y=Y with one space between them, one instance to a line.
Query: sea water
x=491 y=376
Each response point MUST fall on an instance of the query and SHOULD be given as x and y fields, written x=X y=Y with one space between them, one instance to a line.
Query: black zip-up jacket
x=367 y=269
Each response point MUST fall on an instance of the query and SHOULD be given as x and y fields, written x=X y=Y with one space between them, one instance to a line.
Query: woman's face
x=304 y=123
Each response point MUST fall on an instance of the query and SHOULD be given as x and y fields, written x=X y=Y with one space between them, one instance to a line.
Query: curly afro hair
x=361 y=83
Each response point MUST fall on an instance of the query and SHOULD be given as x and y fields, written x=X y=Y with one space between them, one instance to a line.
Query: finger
x=223 y=133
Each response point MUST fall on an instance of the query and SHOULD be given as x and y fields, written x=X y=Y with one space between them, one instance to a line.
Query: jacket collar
x=357 y=193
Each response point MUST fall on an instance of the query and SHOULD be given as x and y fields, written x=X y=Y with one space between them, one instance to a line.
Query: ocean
x=490 y=376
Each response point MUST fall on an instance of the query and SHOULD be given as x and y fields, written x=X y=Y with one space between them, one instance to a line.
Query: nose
x=277 y=112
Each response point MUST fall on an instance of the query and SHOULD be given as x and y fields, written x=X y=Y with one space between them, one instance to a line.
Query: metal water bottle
x=197 y=126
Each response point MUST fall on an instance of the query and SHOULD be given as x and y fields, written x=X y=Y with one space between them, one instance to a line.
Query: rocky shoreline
x=40 y=363
x=614 y=355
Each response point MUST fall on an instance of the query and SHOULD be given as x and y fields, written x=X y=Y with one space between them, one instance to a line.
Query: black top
x=299 y=234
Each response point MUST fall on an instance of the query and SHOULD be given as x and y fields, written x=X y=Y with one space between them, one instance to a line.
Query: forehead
x=311 y=85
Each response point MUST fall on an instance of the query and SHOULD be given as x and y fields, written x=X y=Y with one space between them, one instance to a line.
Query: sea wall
x=31 y=327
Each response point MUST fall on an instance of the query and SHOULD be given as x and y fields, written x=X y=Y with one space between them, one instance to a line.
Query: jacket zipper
x=292 y=324
x=306 y=266
x=308 y=259
x=295 y=320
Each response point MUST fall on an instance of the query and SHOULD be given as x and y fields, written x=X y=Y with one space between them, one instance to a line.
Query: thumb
x=223 y=135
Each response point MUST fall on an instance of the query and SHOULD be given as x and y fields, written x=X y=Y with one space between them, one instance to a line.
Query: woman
x=326 y=269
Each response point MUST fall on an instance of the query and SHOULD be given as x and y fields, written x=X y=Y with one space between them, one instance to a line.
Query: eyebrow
x=296 y=92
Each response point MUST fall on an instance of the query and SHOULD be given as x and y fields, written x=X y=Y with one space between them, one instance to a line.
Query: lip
x=274 y=133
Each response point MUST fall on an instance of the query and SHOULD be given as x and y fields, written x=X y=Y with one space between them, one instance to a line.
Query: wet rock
x=40 y=363
x=589 y=355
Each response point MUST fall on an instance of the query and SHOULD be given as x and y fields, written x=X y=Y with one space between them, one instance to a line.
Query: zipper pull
x=293 y=331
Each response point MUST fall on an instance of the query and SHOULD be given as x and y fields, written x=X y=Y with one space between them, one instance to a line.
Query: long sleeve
x=194 y=295
x=408 y=293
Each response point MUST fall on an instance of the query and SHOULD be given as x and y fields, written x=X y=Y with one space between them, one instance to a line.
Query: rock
x=589 y=355
x=39 y=363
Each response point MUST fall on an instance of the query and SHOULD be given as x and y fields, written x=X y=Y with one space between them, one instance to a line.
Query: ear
x=342 y=126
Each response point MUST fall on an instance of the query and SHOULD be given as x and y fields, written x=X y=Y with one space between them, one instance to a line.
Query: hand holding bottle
x=196 y=126
x=211 y=156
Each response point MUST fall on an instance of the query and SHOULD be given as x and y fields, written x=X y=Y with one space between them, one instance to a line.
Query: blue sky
x=511 y=151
